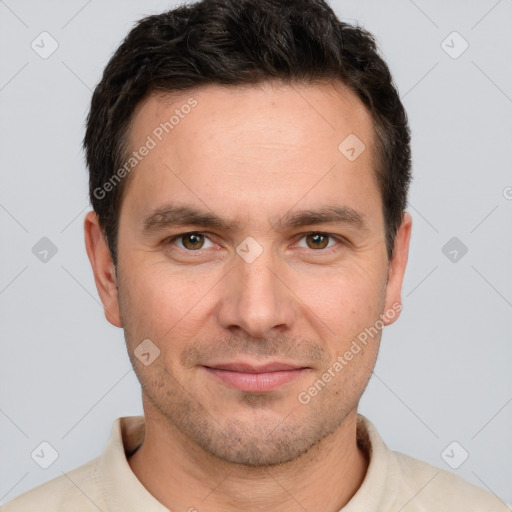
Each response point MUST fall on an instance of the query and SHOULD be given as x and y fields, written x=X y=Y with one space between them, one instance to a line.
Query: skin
x=251 y=155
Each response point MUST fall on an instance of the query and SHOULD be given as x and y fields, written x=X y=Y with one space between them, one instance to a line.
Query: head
x=249 y=164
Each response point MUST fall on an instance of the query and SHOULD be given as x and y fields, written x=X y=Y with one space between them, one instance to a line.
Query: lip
x=256 y=378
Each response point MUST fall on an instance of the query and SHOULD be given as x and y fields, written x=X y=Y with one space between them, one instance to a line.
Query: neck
x=182 y=476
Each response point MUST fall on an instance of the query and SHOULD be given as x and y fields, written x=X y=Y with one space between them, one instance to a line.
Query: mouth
x=253 y=378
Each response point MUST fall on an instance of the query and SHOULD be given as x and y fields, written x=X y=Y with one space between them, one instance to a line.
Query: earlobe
x=102 y=267
x=397 y=267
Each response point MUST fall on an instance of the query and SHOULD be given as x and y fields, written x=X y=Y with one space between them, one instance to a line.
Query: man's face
x=286 y=266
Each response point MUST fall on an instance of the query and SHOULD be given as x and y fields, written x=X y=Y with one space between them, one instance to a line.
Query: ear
x=103 y=268
x=397 y=270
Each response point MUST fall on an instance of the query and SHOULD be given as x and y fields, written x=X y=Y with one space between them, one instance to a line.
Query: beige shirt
x=394 y=482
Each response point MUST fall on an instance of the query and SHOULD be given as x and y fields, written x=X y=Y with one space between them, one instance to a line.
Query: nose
x=256 y=299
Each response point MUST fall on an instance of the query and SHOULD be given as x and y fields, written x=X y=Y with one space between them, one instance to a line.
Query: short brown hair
x=236 y=42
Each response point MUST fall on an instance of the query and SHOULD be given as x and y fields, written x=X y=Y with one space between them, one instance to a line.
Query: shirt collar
x=121 y=486
x=376 y=491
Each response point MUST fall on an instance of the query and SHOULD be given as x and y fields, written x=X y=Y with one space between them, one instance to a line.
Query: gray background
x=443 y=373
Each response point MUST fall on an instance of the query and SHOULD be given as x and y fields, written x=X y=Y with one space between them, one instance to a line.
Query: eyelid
x=338 y=238
x=341 y=240
x=170 y=240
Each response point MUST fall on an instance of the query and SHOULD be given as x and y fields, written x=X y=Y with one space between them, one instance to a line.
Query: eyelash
x=340 y=240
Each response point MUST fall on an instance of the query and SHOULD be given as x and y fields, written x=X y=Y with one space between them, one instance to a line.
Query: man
x=249 y=165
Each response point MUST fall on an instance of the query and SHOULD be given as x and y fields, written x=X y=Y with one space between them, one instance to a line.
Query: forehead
x=271 y=143
x=256 y=109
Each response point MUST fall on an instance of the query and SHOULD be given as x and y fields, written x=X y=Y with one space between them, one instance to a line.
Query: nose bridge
x=255 y=299
x=258 y=277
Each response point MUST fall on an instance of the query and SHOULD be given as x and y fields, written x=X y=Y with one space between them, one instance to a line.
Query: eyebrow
x=324 y=215
x=169 y=216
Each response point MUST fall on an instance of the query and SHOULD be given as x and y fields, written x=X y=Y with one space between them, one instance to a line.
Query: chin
x=257 y=445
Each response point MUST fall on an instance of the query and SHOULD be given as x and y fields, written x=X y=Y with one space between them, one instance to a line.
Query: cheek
x=165 y=304
x=346 y=299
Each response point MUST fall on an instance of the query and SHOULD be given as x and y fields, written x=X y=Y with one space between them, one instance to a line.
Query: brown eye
x=317 y=240
x=192 y=241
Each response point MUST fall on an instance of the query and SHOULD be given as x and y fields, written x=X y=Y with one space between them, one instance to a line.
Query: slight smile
x=251 y=378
